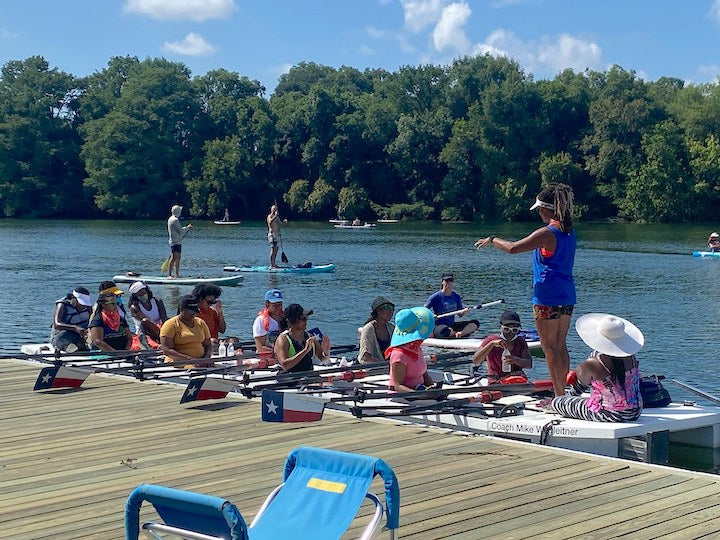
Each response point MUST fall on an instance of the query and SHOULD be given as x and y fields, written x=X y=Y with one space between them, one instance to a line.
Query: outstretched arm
x=542 y=237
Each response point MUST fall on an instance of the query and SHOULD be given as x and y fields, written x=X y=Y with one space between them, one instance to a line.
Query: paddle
x=479 y=306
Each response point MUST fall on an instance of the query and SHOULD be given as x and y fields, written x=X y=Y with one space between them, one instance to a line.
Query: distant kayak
x=705 y=254
x=162 y=280
x=388 y=220
x=366 y=226
x=221 y=222
x=320 y=269
x=339 y=221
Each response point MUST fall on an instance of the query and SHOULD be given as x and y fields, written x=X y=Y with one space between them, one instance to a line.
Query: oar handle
x=479 y=306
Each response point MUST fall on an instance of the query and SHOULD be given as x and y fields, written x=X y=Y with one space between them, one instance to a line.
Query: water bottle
x=230 y=350
x=344 y=362
x=506 y=365
x=222 y=350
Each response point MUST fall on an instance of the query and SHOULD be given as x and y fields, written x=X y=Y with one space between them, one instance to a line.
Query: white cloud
x=182 y=10
x=364 y=49
x=7 y=34
x=450 y=29
x=375 y=32
x=714 y=13
x=547 y=56
x=709 y=72
x=280 y=69
x=193 y=45
x=378 y=33
x=421 y=13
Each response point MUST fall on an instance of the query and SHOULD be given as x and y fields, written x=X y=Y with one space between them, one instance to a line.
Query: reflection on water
x=642 y=272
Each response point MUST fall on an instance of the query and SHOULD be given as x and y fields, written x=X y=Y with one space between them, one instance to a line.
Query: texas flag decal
x=291 y=407
x=201 y=388
x=61 y=377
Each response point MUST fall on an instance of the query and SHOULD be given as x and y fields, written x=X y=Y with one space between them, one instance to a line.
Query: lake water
x=641 y=272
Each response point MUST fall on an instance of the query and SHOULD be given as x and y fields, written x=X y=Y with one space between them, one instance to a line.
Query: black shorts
x=176 y=248
x=443 y=331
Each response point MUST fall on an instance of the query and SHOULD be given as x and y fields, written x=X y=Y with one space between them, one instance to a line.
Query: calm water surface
x=641 y=272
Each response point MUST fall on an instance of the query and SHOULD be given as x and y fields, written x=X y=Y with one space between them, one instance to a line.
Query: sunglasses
x=510 y=329
x=211 y=302
x=449 y=280
x=387 y=307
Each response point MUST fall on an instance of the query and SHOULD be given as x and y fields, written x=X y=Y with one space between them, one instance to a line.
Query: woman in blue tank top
x=553 y=249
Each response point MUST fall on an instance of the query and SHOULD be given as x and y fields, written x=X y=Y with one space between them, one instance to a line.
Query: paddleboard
x=220 y=222
x=161 y=280
x=388 y=220
x=319 y=269
x=706 y=254
x=366 y=226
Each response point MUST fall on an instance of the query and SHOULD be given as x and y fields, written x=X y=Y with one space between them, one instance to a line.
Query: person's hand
x=458 y=334
x=309 y=342
x=482 y=242
x=465 y=311
x=217 y=306
x=325 y=346
x=499 y=343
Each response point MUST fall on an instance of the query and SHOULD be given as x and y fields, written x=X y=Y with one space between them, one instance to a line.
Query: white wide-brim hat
x=608 y=334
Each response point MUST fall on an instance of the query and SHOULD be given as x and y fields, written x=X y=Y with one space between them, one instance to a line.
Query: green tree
x=40 y=170
x=353 y=201
x=660 y=189
x=135 y=154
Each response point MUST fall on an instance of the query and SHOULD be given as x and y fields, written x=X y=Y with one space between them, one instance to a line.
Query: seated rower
x=610 y=374
x=444 y=301
x=70 y=321
x=356 y=222
x=186 y=337
x=211 y=309
x=266 y=326
x=408 y=370
x=294 y=347
x=147 y=312
x=108 y=328
x=507 y=353
x=375 y=335
x=713 y=242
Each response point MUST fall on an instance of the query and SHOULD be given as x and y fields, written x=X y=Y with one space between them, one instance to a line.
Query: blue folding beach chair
x=322 y=492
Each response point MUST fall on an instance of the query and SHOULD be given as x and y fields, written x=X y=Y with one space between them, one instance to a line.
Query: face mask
x=143 y=298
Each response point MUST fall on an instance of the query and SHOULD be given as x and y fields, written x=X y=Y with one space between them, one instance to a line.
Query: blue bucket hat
x=274 y=296
x=412 y=324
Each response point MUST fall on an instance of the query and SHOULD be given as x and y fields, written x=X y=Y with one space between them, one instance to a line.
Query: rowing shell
x=366 y=226
x=160 y=280
x=220 y=222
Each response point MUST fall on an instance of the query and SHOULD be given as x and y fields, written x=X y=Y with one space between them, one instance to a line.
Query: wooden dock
x=68 y=460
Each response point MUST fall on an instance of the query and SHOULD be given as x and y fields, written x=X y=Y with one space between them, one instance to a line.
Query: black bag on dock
x=653 y=392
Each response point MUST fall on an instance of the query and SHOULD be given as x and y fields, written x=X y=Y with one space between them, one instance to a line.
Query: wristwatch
x=491 y=238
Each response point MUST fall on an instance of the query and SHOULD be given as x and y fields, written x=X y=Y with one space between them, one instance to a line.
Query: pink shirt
x=415 y=367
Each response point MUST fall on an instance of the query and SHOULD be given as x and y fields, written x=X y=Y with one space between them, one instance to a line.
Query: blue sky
x=263 y=38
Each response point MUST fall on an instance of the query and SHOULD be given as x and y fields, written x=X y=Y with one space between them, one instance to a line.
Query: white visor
x=83 y=299
x=541 y=204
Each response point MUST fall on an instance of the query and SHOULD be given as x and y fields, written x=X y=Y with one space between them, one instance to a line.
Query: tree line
x=474 y=140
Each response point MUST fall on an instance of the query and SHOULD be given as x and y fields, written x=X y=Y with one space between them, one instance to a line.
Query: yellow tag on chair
x=326 y=485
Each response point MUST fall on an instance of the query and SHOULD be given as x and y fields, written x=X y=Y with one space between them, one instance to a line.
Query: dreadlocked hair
x=561 y=197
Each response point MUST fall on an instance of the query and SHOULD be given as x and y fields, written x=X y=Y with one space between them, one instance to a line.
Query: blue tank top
x=553 y=283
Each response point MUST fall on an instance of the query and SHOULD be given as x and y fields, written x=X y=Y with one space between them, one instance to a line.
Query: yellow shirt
x=187 y=340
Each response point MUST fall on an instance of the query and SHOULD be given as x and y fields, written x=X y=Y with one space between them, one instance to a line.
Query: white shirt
x=259 y=327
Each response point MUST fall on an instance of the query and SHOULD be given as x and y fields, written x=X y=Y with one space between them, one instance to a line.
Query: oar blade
x=52 y=377
x=291 y=407
x=202 y=388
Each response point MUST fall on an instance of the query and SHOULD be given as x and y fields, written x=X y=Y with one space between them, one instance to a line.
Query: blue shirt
x=553 y=283
x=439 y=304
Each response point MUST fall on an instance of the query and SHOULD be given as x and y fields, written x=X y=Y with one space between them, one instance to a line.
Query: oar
x=479 y=306
x=514 y=389
x=696 y=391
x=283 y=257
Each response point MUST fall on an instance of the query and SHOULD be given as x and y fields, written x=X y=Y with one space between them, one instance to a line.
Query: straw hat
x=608 y=334
x=412 y=324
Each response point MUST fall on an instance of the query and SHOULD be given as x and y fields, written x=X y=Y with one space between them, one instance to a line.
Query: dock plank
x=69 y=460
